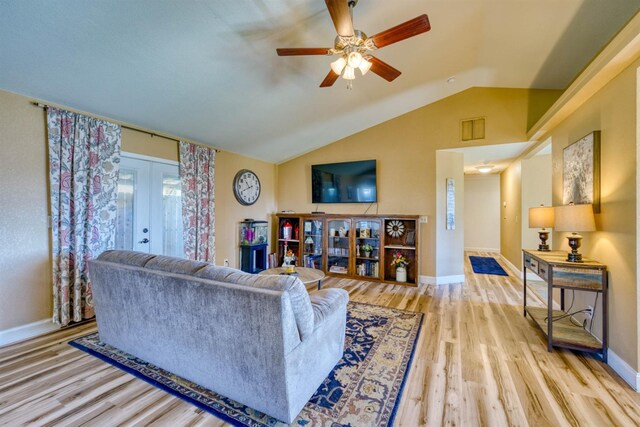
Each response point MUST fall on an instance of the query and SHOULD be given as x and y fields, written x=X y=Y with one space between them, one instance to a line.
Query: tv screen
x=347 y=182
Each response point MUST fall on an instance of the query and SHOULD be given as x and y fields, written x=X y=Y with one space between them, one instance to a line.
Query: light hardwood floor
x=478 y=362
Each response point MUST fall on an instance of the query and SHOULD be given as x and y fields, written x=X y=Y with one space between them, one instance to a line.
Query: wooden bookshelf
x=336 y=244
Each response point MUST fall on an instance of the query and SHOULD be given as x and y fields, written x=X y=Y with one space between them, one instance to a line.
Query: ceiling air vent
x=471 y=129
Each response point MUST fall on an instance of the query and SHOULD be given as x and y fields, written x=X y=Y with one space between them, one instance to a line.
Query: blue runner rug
x=364 y=388
x=486 y=265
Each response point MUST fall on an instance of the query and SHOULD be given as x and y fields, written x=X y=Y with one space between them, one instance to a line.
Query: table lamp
x=574 y=218
x=542 y=217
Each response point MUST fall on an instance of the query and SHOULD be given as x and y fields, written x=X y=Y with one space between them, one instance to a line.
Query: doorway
x=149 y=217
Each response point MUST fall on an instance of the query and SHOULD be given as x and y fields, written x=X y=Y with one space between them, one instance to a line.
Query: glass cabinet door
x=367 y=248
x=312 y=243
x=338 y=249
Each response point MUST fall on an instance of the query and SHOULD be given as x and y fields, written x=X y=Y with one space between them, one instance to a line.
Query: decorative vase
x=401 y=274
x=367 y=254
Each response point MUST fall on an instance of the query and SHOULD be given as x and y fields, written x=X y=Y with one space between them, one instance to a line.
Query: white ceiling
x=499 y=156
x=207 y=70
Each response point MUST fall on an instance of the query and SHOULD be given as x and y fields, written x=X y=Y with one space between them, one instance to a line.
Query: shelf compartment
x=565 y=333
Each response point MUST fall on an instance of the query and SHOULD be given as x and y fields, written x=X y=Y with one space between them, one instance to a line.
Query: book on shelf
x=338 y=269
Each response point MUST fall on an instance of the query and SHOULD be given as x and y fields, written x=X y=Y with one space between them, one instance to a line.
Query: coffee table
x=306 y=275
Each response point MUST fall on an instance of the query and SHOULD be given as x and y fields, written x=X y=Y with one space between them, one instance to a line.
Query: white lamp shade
x=349 y=73
x=541 y=217
x=338 y=65
x=364 y=66
x=574 y=218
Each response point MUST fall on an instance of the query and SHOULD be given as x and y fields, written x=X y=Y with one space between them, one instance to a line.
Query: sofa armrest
x=327 y=301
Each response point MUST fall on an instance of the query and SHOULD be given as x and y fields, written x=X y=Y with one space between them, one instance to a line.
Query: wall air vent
x=472 y=129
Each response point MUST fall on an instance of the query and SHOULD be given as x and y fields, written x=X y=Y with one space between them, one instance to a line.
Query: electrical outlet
x=226 y=263
x=589 y=312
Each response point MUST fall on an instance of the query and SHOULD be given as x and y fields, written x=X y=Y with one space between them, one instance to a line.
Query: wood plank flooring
x=478 y=362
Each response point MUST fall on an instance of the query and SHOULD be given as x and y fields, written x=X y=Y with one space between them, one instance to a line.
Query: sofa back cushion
x=174 y=265
x=136 y=259
x=300 y=302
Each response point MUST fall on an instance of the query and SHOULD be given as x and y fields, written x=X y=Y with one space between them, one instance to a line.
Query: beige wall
x=511 y=214
x=25 y=294
x=482 y=212
x=449 y=243
x=536 y=190
x=612 y=110
x=25 y=284
x=405 y=150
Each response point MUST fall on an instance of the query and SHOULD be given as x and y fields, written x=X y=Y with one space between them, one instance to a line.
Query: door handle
x=145 y=240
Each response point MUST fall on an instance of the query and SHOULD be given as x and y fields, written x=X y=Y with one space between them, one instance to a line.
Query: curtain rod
x=152 y=134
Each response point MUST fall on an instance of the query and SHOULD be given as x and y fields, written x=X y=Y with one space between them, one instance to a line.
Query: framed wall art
x=581 y=172
x=451 y=204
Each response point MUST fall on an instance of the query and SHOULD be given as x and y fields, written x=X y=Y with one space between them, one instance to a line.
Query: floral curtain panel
x=84 y=160
x=198 y=201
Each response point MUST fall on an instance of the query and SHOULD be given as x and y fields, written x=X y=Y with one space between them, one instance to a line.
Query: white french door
x=149 y=215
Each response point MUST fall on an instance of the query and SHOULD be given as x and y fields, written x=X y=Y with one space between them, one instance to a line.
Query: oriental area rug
x=364 y=388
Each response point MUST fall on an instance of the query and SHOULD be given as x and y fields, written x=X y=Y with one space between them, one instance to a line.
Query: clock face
x=246 y=187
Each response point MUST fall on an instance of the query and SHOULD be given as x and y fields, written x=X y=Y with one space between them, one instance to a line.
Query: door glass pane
x=173 y=243
x=124 y=218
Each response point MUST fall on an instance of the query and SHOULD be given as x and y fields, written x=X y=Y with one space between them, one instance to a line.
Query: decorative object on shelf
x=410 y=238
x=342 y=232
x=574 y=218
x=366 y=249
x=365 y=233
x=308 y=242
x=581 y=172
x=451 y=204
x=287 y=230
x=542 y=217
x=246 y=187
x=289 y=261
x=395 y=228
x=400 y=262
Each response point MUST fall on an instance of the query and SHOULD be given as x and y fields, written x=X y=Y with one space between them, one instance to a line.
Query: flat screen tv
x=347 y=182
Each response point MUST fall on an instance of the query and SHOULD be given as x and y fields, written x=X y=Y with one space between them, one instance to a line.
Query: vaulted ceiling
x=207 y=70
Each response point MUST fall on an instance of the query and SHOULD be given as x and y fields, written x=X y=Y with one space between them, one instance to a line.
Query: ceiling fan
x=353 y=45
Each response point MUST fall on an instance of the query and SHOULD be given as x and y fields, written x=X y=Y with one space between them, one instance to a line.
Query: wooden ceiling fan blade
x=383 y=69
x=341 y=16
x=403 y=31
x=303 y=51
x=330 y=79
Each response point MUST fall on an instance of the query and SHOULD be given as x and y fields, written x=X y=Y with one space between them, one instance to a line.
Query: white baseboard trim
x=511 y=266
x=482 y=249
x=622 y=368
x=24 y=332
x=441 y=280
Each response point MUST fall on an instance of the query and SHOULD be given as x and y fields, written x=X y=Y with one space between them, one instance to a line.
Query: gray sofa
x=259 y=340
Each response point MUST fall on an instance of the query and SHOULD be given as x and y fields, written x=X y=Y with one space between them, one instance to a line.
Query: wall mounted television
x=346 y=182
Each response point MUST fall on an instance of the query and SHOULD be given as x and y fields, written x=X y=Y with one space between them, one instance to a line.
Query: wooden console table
x=558 y=273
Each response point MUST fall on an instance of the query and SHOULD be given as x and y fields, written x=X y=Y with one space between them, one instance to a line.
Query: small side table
x=306 y=275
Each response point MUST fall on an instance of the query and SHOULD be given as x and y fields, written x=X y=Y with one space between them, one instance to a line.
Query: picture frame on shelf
x=581 y=171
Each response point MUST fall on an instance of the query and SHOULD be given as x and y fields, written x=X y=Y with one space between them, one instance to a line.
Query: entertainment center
x=357 y=246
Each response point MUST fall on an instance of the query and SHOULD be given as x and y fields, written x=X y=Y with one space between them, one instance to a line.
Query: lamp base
x=574 y=243
x=544 y=235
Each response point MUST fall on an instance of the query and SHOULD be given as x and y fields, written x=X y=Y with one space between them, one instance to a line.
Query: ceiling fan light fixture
x=349 y=73
x=354 y=59
x=365 y=66
x=338 y=65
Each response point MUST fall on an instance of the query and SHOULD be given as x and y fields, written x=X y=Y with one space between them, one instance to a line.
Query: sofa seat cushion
x=298 y=294
x=136 y=259
x=175 y=265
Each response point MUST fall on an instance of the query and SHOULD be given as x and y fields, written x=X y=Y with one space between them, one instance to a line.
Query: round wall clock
x=246 y=187
x=395 y=228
